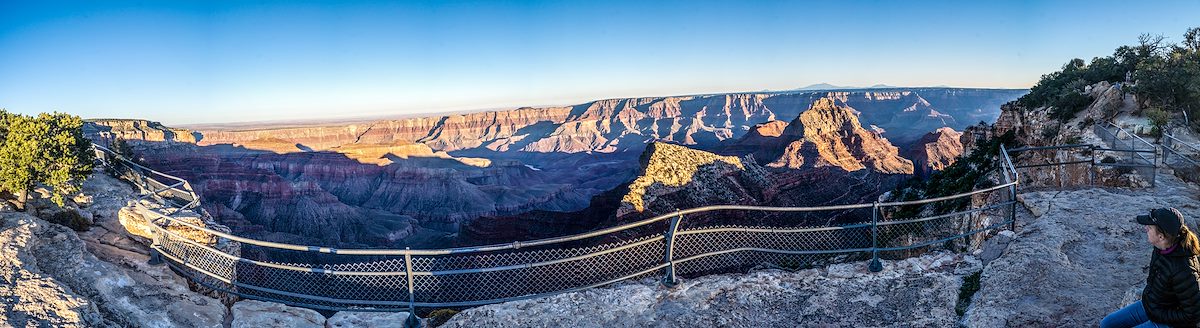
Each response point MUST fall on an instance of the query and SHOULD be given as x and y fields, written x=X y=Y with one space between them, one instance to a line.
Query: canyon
x=498 y=176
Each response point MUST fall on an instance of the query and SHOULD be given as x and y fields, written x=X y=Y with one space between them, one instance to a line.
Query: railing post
x=1092 y=167
x=669 y=256
x=156 y=245
x=875 y=265
x=413 y=321
x=1012 y=208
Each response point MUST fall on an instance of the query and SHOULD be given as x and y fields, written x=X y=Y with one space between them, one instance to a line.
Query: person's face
x=1156 y=238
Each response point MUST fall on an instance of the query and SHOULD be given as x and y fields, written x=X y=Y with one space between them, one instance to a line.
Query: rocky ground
x=917 y=292
x=1076 y=255
x=52 y=276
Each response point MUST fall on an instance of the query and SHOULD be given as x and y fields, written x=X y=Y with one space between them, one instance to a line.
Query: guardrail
x=667 y=245
x=1186 y=157
x=1137 y=153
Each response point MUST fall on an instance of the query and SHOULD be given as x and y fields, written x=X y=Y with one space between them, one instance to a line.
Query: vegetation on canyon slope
x=1166 y=76
x=47 y=150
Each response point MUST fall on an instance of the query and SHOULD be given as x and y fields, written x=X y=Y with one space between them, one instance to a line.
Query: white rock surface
x=49 y=263
x=258 y=314
x=917 y=292
x=367 y=319
x=1082 y=258
x=29 y=296
x=94 y=278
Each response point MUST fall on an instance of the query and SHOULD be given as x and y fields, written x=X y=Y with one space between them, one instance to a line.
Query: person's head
x=1165 y=228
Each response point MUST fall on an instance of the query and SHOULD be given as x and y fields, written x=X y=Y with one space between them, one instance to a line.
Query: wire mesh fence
x=666 y=246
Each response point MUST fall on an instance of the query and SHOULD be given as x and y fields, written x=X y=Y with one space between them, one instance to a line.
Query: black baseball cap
x=1168 y=220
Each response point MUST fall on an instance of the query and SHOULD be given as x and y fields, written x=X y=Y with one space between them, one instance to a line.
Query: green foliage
x=1169 y=79
x=1158 y=119
x=47 y=150
x=440 y=316
x=970 y=285
x=1167 y=76
x=71 y=219
x=1069 y=103
x=121 y=147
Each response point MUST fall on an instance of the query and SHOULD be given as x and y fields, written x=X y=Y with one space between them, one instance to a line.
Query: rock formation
x=327 y=197
x=830 y=135
x=618 y=124
x=105 y=130
x=667 y=168
x=254 y=314
x=936 y=150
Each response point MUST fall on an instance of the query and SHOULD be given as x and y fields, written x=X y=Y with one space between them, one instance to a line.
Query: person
x=1172 y=294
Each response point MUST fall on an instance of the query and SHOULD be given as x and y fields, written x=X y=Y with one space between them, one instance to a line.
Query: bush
x=1068 y=104
x=1050 y=131
x=47 y=150
x=1158 y=121
x=71 y=219
x=966 y=292
x=441 y=316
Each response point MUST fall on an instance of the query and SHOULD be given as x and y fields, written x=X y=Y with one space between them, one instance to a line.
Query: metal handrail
x=1176 y=141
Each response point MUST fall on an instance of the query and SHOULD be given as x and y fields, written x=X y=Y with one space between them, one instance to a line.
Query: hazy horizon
x=191 y=63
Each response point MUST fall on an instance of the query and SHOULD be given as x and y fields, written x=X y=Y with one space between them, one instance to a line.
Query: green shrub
x=1068 y=104
x=47 y=150
x=441 y=316
x=966 y=292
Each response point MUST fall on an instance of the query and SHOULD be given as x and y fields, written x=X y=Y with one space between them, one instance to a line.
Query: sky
x=182 y=62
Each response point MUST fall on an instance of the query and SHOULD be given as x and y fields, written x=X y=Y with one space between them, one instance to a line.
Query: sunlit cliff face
x=671 y=166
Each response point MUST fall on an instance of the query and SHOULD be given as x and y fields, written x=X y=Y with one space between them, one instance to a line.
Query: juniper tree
x=47 y=150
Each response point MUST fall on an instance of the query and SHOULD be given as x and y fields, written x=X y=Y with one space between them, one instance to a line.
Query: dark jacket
x=1172 y=294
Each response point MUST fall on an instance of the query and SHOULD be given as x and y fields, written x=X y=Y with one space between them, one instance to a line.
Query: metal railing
x=1181 y=156
x=664 y=246
x=1130 y=150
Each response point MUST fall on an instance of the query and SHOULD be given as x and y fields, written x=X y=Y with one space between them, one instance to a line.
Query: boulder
x=348 y=319
x=56 y=281
x=259 y=314
x=137 y=218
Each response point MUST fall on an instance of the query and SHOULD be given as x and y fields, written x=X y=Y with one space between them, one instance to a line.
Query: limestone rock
x=137 y=219
x=1074 y=264
x=914 y=292
x=348 y=319
x=49 y=262
x=259 y=314
x=31 y=296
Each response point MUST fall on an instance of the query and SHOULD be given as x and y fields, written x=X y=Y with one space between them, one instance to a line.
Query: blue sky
x=226 y=61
